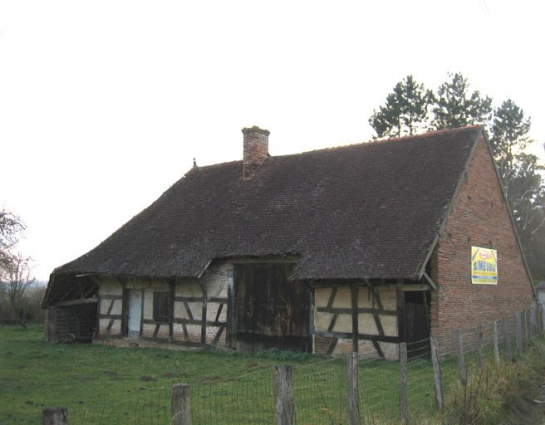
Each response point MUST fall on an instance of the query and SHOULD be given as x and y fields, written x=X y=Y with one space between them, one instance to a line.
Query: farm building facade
x=355 y=248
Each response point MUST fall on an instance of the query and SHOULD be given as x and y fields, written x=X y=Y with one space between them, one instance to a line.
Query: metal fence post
x=403 y=402
x=283 y=389
x=437 y=372
x=55 y=416
x=352 y=389
x=181 y=404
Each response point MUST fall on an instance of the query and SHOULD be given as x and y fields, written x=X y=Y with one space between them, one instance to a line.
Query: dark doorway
x=269 y=310
x=415 y=323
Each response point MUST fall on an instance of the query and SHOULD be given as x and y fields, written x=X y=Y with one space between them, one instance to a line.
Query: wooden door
x=416 y=324
x=270 y=310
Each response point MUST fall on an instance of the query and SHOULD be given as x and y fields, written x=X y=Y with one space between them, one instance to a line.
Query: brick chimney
x=256 y=150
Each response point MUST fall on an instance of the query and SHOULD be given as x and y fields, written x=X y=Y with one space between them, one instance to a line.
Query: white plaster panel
x=342 y=298
x=188 y=288
x=321 y=296
x=366 y=324
x=109 y=286
x=365 y=298
x=322 y=321
x=389 y=324
x=343 y=323
x=117 y=308
x=388 y=296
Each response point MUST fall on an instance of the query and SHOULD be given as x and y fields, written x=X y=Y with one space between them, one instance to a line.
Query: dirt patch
x=530 y=408
x=212 y=378
x=147 y=378
x=252 y=365
x=114 y=376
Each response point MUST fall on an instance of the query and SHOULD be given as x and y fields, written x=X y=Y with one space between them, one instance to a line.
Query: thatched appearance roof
x=370 y=210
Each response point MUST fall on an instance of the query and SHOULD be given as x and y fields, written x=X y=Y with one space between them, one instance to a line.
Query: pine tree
x=405 y=111
x=455 y=107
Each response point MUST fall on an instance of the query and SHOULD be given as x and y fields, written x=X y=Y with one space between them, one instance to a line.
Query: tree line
x=411 y=108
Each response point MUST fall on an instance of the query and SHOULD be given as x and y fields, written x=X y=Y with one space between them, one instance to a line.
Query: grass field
x=107 y=385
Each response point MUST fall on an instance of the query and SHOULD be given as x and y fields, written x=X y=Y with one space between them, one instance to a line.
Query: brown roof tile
x=370 y=210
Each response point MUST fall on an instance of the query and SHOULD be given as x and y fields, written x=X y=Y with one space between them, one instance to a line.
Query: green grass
x=104 y=385
x=107 y=385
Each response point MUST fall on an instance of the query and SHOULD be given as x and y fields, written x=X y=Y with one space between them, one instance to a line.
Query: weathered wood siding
x=376 y=320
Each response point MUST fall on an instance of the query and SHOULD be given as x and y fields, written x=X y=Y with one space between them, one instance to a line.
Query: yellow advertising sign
x=484 y=266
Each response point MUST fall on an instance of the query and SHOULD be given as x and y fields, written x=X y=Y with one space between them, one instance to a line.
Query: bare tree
x=14 y=282
x=11 y=227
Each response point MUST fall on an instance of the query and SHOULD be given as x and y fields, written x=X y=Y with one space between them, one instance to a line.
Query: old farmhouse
x=354 y=248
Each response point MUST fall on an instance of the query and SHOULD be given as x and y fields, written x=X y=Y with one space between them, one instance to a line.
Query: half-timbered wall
x=111 y=306
x=200 y=307
x=376 y=321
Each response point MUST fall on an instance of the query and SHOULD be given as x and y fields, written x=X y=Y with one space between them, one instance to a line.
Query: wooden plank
x=156 y=331
x=218 y=336
x=462 y=378
x=361 y=310
x=437 y=378
x=332 y=346
x=332 y=296
x=283 y=390
x=365 y=337
x=352 y=389
x=111 y=297
x=190 y=299
x=192 y=322
x=496 y=344
x=124 y=308
x=75 y=302
x=354 y=293
x=110 y=316
x=181 y=404
x=403 y=401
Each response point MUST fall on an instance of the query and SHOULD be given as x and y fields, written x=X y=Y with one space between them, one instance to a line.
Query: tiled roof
x=370 y=210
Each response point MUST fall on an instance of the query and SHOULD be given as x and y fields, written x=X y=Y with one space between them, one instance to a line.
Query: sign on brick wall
x=484 y=266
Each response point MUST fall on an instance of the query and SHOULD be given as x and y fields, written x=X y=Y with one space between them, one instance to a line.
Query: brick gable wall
x=479 y=217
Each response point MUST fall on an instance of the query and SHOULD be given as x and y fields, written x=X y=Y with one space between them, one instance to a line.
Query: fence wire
x=319 y=388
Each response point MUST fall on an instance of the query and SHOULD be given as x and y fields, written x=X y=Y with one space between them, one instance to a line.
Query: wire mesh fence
x=320 y=388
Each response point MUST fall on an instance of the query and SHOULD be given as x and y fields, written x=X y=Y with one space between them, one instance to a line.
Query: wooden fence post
x=437 y=372
x=352 y=389
x=525 y=338
x=283 y=390
x=518 y=332
x=508 y=351
x=56 y=416
x=542 y=318
x=403 y=403
x=181 y=404
x=496 y=344
x=461 y=366
x=533 y=321
x=480 y=344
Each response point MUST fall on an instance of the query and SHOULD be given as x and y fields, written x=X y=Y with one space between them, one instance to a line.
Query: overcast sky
x=104 y=104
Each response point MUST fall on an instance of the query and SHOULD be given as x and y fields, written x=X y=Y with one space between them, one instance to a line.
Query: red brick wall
x=479 y=217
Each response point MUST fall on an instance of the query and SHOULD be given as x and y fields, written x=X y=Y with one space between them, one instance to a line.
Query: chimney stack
x=256 y=150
